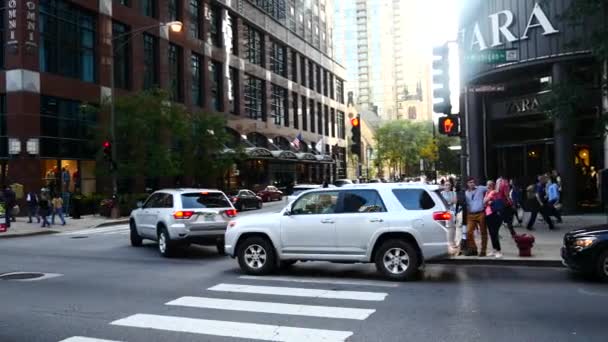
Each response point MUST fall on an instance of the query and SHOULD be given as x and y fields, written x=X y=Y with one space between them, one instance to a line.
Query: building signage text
x=500 y=27
x=14 y=21
x=30 y=23
x=523 y=105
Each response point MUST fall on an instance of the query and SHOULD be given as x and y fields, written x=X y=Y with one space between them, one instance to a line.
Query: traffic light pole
x=464 y=134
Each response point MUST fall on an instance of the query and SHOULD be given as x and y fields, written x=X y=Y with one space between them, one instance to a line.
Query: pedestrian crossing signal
x=449 y=125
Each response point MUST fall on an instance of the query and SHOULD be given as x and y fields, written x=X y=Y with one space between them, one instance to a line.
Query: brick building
x=266 y=65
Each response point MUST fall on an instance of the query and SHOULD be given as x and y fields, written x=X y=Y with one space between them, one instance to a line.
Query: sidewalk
x=22 y=228
x=547 y=246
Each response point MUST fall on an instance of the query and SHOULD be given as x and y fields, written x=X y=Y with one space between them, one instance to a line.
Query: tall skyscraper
x=388 y=63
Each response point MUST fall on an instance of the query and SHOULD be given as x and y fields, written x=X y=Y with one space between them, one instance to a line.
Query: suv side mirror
x=140 y=204
x=287 y=212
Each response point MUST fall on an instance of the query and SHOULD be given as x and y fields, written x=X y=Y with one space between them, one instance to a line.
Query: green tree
x=448 y=161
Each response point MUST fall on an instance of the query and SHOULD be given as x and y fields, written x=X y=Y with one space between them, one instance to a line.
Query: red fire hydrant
x=524 y=244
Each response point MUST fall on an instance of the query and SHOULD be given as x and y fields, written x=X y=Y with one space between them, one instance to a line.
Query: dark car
x=270 y=193
x=245 y=199
x=586 y=251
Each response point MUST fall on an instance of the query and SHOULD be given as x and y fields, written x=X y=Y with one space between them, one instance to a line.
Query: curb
x=42 y=232
x=500 y=262
x=112 y=223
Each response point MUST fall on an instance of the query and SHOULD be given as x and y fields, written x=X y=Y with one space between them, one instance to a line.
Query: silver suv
x=395 y=226
x=179 y=217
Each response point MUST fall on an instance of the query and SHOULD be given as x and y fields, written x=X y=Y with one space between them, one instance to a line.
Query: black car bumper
x=582 y=261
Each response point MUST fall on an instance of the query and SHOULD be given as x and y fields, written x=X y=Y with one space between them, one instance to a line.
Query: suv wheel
x=166 y=247
x=397 y=260
x=256 y=256
x=602 y=266
x=136 y=240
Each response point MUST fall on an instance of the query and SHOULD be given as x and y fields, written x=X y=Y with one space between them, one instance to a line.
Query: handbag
x=15 y=211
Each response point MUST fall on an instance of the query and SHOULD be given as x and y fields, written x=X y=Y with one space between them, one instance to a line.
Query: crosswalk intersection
x=256 y=319
x=122 y=229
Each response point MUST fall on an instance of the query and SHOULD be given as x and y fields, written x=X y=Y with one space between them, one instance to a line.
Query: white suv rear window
x=201 y=200
x=414 y=199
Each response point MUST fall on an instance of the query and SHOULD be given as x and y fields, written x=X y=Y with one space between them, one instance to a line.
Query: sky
x=441 y=19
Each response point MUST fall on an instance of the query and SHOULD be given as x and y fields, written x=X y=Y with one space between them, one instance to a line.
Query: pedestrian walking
x=517 y=200
x=504 y=192
x=461 y=217
x=44 y=207
x=57 y=203
x=449 y=195
x=476 y=218
x=10 y=200
x=32 y=206
x=537 y=203
x=494 y=207
x=553 y=197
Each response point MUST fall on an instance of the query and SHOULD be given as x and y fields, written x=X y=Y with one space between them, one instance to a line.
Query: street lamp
x=174 y=26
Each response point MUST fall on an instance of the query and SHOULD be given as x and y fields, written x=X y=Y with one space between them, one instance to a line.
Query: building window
x=122 y=58
x=195 y=19
x=333 y=123
x=215 y=77
x=277 y=59
x=303 y=70
x=233 y=91
x=2 y=38
x=325 y=83
x=319 y=118
x=341 y=125
x=340 y=91
x=150 y=61
x=197 y=79
x=311 y=75
x=278 y=109
x=326 y=119
x=294 y=66
x=148 y=8
x=215 y=26
x=254 y=97
x=332 y=88
x=253 y=46
x=411 y=113
x=319 y=84
x=234 y=34
x=65 y=130
x=67 y=40
x=296 y=117
x=175 y=72
x=311 y=106
x=304 y=113
x=174 y=9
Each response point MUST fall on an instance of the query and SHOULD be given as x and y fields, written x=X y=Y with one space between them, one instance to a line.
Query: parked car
x=270 y=193
x=342 y=182
x=245 y=199
x=586 y=251
x=179 y=217
x=396 y=226
x=298 y=189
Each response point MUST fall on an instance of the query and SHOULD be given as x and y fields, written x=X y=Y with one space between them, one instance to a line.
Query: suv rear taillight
x=230 y=212
x=183 y=215
x=442 y=216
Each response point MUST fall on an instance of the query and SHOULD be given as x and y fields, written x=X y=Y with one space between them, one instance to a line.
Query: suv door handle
x=376 y=220
x=327 y=221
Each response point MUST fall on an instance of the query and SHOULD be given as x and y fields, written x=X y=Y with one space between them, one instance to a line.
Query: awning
x=324 y=158
x=306 y=156
x=258 y=152
x=284 y=154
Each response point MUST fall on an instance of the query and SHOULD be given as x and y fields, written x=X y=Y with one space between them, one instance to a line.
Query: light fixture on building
x=243 y=136
x=270 y=141
x=32 y=146
x=14 y=146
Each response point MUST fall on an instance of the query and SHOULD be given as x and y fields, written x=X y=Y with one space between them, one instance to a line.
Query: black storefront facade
x=509 y=129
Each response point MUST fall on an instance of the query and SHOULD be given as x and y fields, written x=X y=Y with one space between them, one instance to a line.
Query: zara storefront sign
x=29 y=18
x=501 y=27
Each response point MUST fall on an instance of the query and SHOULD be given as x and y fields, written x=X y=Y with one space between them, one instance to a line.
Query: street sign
x=493 y=56
x=487 y=88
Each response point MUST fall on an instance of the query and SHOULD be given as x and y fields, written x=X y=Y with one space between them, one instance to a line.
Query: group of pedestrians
x=43 y=206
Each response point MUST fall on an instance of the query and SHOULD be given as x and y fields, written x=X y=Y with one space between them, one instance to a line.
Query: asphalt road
x=107 y=290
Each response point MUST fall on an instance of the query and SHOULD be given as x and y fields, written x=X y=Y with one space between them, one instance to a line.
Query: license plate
x=210 y=218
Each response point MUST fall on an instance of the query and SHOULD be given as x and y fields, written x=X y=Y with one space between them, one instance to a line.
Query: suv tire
x=397 y=260
x=256 y=256
x=602 y=266
x=166 y=247
x=136 y=240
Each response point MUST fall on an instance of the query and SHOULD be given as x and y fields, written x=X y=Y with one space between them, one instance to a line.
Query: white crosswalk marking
x=232 y=329
x=100 y=231
x=273 y=308
x=300 y=292
x=85 y=339
x=336 y=281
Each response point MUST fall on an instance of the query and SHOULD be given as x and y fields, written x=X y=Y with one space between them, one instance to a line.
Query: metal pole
x=113 y=126
x=464 y=170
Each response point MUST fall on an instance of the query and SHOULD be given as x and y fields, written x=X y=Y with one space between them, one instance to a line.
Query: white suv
x=178 y=217
x=395 y=226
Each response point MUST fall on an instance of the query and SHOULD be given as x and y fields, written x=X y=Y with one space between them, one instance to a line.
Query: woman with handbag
x=494 y=207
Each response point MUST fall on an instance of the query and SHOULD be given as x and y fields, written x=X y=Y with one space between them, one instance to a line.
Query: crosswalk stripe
x=273 y=308
x=300 y=292
x=322 y=281
x=232 y=329
x=85 y=339
x=96 y=230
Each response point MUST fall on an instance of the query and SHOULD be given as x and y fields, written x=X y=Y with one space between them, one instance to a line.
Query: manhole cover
x=21 y=276
x=79 y=237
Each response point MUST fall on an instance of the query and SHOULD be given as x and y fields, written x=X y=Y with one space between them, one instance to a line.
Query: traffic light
x=107 y=151
x=441 y=80
x=355 y=147
x=449 y=125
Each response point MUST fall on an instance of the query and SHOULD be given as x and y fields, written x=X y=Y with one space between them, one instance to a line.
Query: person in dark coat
x=10 y=199
x=32 y=206
x=44 y=204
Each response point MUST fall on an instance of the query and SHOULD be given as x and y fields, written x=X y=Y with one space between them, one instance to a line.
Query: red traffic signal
x=107 y=150
x=354 y=122
x=449 y=125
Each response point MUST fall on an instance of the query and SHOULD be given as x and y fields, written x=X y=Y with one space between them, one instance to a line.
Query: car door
x=146 y=214
x=253 y=199
x=361 y=213
x=310 y=226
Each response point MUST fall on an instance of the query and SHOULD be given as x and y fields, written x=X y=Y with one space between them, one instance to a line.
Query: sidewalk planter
x=524 y=243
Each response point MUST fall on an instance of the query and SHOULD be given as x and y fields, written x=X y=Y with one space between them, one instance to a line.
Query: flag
x=319 y=146
x=296 y=142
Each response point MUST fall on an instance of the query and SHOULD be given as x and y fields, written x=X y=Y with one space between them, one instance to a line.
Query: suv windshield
x=204 y=200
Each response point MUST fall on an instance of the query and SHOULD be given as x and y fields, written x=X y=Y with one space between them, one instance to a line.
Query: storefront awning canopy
x=284 y=154
x=306 y=156
x=258 y=152
x=324 y=158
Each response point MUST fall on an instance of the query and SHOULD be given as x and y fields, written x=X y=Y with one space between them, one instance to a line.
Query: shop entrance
x=524 y=162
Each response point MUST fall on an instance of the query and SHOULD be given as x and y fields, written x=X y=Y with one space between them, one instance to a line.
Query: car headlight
x=584 y=242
